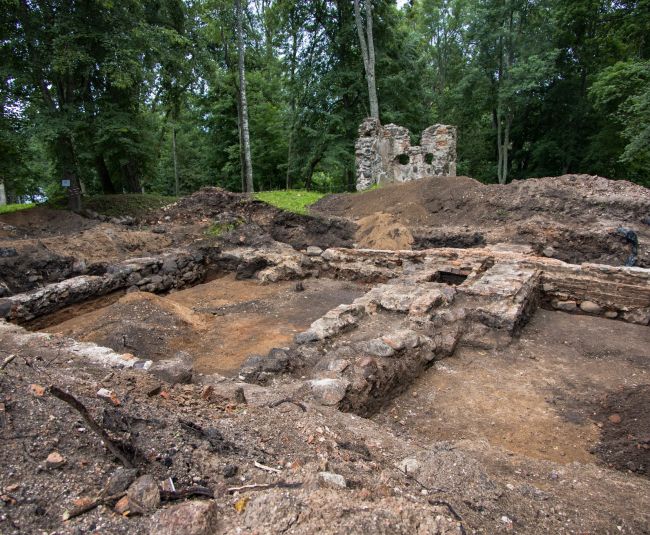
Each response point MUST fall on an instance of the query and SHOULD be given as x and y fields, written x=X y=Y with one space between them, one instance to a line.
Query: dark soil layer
x=576 y=215
x=625 y=440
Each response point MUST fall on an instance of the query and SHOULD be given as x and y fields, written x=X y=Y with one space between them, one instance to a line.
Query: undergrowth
x=8 y=208
x=293 y=200
x=218 y=229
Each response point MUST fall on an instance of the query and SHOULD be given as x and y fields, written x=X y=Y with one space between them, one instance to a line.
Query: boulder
x=376 y=347
x=328 y=391
x=143 y=495
x=120 y=480
x=566 y=306
x=332 y=480
x=590 y=307
x=177 y=370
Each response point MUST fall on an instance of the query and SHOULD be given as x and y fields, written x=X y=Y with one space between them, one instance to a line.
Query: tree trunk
x=368 y=54
x=242 y=160
x=245 y=134
x=506 y=147
x=176 y=180
x=104 y=175
x=3 y=193
x=497 y=123
x=131 y=179
x=68 y=170
x=288 y=178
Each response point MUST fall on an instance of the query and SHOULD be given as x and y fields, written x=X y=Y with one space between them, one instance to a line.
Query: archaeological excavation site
x=431 y=356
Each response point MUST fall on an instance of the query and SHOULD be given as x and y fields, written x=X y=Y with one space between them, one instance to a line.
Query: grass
x=8 y=208
x=128 y=204
x=293 y=200
x=217 y=229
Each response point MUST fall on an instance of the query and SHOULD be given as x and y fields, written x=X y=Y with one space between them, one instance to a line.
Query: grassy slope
x=294 y=200
x=134 y=204
x=8 y=208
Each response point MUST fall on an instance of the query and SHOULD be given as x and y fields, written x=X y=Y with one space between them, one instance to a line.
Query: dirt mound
x=228 y=211
x=41 y=221
x=458 y=200
x=381 y=231
x=575 y=215
x=29 y=262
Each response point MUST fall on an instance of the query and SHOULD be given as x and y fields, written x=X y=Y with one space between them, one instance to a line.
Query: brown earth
x=547 y=396
x=576 y=215
x=547 y=435
x=501 y=478
x=219 y=323
x=42 y=222
x=51 y=245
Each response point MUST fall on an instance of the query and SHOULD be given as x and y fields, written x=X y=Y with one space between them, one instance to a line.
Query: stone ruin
x=384 y=153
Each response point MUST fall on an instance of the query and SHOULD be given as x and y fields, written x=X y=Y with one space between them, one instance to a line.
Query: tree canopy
x=144 y=95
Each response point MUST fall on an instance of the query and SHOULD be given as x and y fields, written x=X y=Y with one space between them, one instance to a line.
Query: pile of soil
x=45 y=258
x=210 y=206
x=41 y=222
x=576 y=215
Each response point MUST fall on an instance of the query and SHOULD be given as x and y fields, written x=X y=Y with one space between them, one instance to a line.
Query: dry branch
x=76 y=404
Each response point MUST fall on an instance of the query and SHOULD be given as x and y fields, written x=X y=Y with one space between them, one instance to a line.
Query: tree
x=243 y=102
x=368 y=53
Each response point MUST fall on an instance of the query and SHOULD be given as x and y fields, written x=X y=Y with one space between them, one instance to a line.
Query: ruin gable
x=384 y=153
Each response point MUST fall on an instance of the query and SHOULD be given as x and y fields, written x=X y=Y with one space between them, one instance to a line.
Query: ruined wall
x=384 y=153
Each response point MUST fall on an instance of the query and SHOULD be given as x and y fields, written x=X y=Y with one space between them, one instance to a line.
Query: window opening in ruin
x=403 y=159
x=428 y=158
x=447 y=277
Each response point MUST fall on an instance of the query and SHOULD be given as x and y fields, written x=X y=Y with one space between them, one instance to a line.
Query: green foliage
x=8 y=208
x=297 y=201
x=134 y=205
x=95 y=91
x=219 y=229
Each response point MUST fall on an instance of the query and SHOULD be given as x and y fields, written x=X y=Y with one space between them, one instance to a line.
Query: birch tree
x=243 y=103
x=368 y=52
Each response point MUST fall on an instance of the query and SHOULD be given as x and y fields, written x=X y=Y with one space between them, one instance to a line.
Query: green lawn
x=128 y=204
x=8 y=208
x=293 y=200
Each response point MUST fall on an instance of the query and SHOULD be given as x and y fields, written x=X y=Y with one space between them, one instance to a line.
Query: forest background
x=144 y=95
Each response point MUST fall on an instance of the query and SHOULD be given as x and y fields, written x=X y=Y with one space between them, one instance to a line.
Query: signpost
x=74 y=195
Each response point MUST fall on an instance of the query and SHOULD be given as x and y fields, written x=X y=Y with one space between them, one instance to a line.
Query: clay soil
x=576 y=215
x=219 y=323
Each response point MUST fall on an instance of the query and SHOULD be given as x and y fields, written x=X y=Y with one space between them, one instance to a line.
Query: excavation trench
x=218 y=323
x=568 y=389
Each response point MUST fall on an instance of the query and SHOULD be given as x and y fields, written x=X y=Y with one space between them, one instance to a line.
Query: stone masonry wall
x=384 y=153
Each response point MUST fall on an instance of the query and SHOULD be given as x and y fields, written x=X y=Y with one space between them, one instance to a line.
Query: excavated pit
x=218 y=324
x=568 y=389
